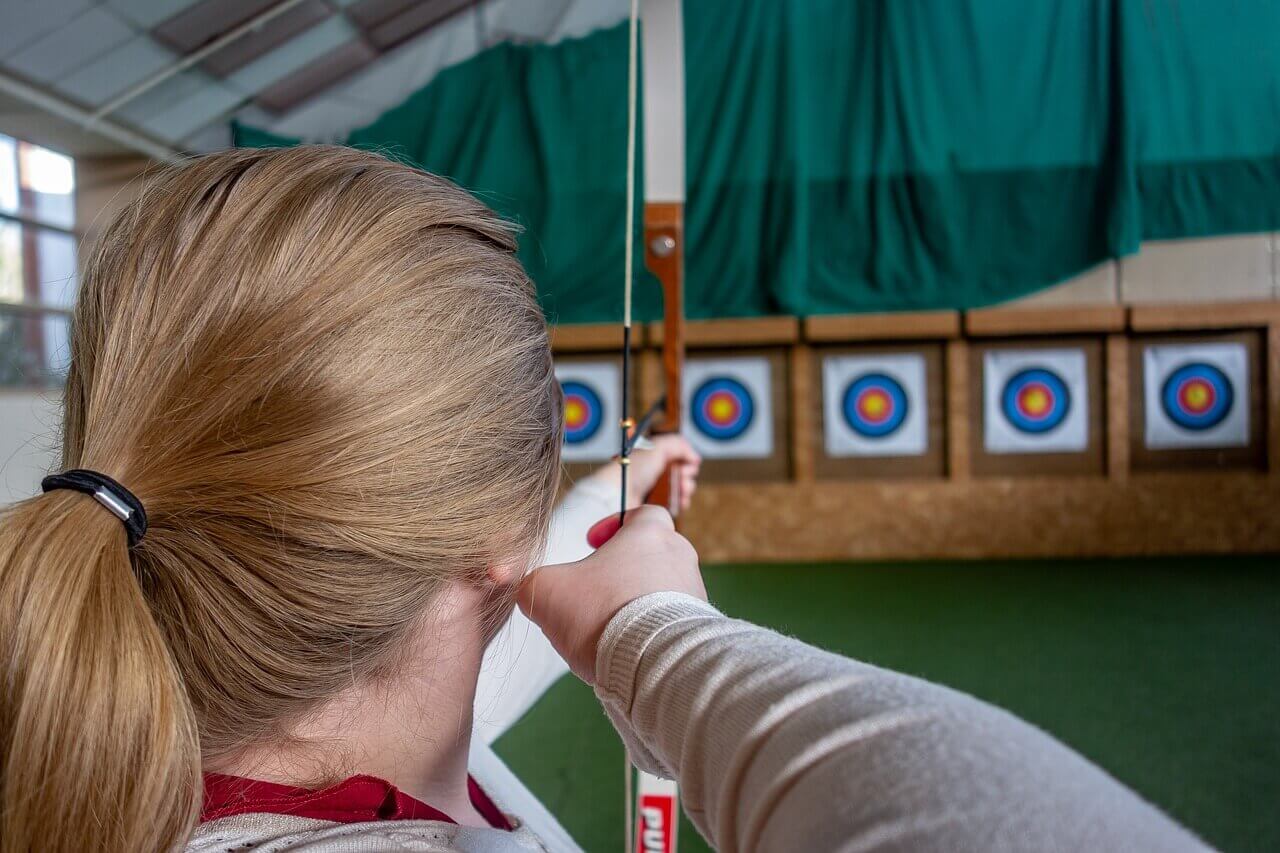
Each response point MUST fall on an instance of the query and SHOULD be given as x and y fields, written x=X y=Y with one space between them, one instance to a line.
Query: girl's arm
x=779 y=746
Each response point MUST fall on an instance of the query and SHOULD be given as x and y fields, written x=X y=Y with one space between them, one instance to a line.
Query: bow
x=664 y=192
x=664 y=183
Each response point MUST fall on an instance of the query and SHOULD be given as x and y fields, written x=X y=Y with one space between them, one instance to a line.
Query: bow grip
x=666 y=492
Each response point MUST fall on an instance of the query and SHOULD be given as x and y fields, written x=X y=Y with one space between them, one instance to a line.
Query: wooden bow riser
x=664 y=257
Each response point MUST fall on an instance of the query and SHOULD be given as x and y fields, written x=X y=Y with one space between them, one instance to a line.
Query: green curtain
x=850 y=156
x=876 y=155
x=539 y=133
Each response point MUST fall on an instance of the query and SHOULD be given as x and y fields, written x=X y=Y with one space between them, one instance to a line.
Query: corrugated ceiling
x=309 y=68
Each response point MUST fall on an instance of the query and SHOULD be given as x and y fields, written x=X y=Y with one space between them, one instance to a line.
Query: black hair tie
x=120 y=501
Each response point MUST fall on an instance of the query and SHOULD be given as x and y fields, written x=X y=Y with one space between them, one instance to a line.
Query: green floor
x=1165 y=672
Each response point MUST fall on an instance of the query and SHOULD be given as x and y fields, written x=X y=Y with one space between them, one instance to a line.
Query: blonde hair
x=328 y=379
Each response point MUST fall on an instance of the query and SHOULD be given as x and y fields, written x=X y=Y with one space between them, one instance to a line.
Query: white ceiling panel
x=112 y=73
x=27 y=20
x=165 y=95
x=70 y=47
x=320 y=119
x=549 y=21
x=396 y=75
x=213 y=137
x=254 y=115
x=147 y=13
x=206 y=104
x=298 y=51
x=370 y=92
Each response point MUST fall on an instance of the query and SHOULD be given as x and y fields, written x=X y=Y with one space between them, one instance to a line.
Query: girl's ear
x=506 y=573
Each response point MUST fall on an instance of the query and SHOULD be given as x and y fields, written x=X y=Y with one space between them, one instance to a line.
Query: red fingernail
x=603 y=530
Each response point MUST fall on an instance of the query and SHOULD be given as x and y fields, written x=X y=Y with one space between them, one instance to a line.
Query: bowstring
x=624 y=455
x=626 y=424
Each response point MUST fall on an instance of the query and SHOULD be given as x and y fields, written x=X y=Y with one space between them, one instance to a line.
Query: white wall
x=1235 y=268
x=28 y=441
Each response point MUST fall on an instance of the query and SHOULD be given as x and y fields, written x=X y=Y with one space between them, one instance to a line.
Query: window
x=37 y=263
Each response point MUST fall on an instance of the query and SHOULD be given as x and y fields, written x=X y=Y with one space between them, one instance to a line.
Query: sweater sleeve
x=779 y=746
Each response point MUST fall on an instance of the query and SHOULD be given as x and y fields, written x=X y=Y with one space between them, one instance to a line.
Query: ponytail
x=99 y=742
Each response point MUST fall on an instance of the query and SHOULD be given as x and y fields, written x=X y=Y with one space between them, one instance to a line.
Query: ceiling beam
x=65 y=109
x=190 y=59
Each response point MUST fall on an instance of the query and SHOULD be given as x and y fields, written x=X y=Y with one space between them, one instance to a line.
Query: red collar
x=359 y=799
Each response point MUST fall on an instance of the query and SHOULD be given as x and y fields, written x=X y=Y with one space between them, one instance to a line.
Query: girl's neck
x=414 y=730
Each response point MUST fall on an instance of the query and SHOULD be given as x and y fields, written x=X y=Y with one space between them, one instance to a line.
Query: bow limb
x=664 y=194
x=663 y=54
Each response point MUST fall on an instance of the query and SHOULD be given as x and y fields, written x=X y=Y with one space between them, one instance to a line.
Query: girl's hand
x=573 y=602
x=649 y=463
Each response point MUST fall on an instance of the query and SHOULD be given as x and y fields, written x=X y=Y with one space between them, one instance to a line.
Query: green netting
x=870 y=156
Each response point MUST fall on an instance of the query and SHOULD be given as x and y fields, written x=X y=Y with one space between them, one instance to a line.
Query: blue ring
x=594 y=411
x=1061 y=403
x=890 y=386
x=1225 y=396
x=746 y=408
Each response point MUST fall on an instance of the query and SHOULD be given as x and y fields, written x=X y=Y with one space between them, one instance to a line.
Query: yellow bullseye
x=574 y=413
x=1197 y=396
x=722 y=410
x=1035 y=401
x=874 y=405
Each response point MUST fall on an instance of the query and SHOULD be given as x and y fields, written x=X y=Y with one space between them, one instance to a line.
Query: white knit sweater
x=779 y=746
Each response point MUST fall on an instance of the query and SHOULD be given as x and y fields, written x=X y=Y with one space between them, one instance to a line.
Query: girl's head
x=328 y=380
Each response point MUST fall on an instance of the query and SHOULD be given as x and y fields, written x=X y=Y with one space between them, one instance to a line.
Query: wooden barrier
x=1117 y=499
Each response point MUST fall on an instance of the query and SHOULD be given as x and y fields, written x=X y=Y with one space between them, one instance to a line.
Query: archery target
x=1035 y=401
x=592 y=409
x=874 y=405
x=582 y=411
x=1196 y=395
x=723 y=408
x=728 y=408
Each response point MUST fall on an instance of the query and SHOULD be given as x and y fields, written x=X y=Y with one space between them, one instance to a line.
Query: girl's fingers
x=573 y=602
x=676 y=448
x=603 y=530
x=606 y=528
x=688 y=485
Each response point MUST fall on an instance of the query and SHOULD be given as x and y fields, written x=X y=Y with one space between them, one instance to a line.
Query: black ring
x=91 y=483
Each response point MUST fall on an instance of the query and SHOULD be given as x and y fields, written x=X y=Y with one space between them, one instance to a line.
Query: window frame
x=46 y=370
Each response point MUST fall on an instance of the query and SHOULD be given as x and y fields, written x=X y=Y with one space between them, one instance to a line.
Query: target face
x=592 y=403
x=723 y=408
x=1035 y=400
x=875 y=405
x=728 y=408
x=582 y=412
x=1197 y=396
